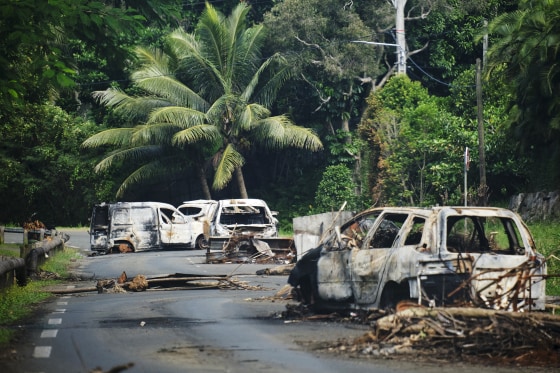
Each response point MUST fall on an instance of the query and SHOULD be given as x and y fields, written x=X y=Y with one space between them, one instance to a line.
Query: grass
x=17 y=302
x=547 y=241
x=10 y=250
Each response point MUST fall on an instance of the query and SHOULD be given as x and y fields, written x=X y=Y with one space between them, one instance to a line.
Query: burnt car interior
x=387 y=231
x=243 y=215
x=475 y=234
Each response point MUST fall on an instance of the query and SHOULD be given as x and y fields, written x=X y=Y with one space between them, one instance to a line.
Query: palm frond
x=148 y=172
x=134 y=108
x=211 y=32
x=154 y=133
x=173 y=90
x=153 y=60
x=180 y=116
x=113 y=137
x=279 y=132
x=230 y=159
x=194 y=134
x=202 y=72
x=279 y=72
x=129 y=154
x=219 y=110
x=250 y=115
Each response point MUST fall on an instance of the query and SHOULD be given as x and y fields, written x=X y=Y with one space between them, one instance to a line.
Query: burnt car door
x=334 y=275
x=369 y=262
x=174 y=229
x=99 y=228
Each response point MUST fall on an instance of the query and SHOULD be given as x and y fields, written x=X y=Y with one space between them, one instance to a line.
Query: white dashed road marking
x=55 y=321
x=42 y=351
x=49 y=333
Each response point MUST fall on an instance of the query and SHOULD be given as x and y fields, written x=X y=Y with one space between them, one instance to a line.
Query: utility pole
x=483 y=188
x=400 y=35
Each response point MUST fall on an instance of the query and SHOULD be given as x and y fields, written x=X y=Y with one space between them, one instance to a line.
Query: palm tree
x=528 y=46
x=220 y=112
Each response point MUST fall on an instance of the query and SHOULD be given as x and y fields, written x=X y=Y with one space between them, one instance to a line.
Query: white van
x=139 y=226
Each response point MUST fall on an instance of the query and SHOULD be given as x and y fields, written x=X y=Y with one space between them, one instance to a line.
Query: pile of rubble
x=465 y=334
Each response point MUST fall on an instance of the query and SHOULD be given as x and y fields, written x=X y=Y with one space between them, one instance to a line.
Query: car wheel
x=202 y=243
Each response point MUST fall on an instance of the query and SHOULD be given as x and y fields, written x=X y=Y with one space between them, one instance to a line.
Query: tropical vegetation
x=295 y=102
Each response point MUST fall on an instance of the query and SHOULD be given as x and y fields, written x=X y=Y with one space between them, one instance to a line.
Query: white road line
x=62 y=303
x=60 y=310
x=70 y=286
x=42 y=351
x=55 y=321
x=49 y=333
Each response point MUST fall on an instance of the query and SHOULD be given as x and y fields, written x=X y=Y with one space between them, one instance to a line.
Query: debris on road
x=246 y=248
x=177 y=281
x=281 y=270
x=465 y=334
x=115 y=369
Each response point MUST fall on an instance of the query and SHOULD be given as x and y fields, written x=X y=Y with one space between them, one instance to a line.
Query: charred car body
x=139 y=226
x=246 y=226
x=435 y=256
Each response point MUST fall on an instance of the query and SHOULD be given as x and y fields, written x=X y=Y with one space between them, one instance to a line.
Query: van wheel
x=202 y=243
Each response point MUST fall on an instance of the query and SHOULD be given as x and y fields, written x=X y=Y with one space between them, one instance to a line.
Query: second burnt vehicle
x=247 y=227
x=140 y=226
x=440 y=256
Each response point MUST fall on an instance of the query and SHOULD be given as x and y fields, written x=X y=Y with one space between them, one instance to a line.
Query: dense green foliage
x=402 y=139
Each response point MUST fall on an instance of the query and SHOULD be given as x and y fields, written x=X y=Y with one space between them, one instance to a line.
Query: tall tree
x=526 y=49
x=210 y=91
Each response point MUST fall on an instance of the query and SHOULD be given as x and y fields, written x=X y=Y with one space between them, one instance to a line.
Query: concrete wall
x=308 y=230
x=537 y=206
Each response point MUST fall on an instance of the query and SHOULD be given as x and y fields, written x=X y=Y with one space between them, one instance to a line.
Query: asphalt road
x=211 y=330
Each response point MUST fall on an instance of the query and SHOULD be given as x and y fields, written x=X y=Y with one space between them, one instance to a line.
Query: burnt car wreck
x=440 y=256
x=247 y=230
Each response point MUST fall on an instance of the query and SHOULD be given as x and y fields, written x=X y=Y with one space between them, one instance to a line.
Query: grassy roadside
x=18 y=302
x=547 y=241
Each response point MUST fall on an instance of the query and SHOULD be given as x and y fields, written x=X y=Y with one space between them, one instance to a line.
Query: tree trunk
x=204 y=183
x=241 y=183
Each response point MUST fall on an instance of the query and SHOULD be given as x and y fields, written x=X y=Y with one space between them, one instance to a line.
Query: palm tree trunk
x=241 y=183
x=204 y=183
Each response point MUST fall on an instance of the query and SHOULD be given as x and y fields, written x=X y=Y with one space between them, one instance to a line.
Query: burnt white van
x=139 y=226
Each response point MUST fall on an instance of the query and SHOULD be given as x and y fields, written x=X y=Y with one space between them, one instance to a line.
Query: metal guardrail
x=33 y=253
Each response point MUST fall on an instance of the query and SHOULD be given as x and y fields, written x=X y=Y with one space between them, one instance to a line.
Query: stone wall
x=537 y=206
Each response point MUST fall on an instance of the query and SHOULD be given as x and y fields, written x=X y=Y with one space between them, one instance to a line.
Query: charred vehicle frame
x=480 y=256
